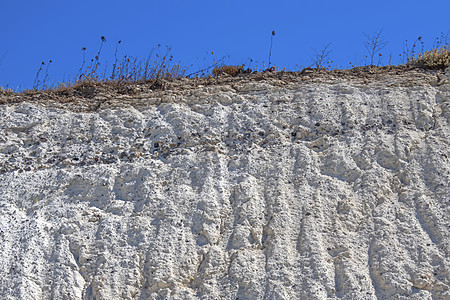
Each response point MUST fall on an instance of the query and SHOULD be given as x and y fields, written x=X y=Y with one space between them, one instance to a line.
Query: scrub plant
x=230 y=70
x=133 y=69
x=374 y=44
x=158 y=65
x=204 y=71
x=322 y=57
x=438 y=58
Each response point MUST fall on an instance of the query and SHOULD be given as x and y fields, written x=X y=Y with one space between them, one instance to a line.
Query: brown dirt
x=90 y=96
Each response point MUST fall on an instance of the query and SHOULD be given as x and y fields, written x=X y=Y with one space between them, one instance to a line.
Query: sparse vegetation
x=409 y=52
x=321 y=59
x=230 y=70
x=134 y=69
x=131 y=68
x=374 y=44
x=5 y=91
x=204 y=71
x=37 y=81
x=160 y=65
x=433 y=59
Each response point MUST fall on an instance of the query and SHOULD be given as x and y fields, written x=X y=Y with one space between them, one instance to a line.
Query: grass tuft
x=438 y=58
x=230 y=70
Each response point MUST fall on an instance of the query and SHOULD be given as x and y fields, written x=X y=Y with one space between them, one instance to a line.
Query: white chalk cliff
x=265 y=186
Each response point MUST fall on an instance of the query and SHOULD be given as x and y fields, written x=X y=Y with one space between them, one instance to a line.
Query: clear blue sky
x=36 y=31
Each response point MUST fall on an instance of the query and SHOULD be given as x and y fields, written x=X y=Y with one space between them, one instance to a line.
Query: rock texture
x=307 y=187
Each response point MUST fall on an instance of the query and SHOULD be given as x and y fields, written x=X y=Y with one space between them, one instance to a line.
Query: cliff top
x=88 y=96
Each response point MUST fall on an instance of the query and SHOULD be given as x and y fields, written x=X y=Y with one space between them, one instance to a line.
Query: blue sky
x=36 y=31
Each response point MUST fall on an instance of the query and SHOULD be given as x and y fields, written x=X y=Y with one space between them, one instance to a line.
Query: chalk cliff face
x=270 y=186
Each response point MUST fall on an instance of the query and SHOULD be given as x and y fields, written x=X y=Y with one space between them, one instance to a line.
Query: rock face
x=256 y=189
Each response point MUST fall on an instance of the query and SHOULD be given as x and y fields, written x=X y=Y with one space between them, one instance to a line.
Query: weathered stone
x=336 y=190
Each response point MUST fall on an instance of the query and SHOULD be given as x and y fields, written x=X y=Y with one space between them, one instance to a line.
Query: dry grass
x=157 y=66
x=6 y=91
x=230 y=70
x=132 y=69
x=433 y=59
x=92 y=96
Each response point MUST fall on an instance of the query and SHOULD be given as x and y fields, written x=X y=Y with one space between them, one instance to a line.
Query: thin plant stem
x=271 y=41
x=46 y=74
x=36 y=80
x=115 y=62
x=84 y=61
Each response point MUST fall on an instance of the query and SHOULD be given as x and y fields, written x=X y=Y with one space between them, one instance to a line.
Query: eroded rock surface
x=252 y=190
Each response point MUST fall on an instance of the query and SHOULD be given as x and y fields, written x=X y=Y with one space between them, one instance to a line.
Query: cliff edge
x=313 y=185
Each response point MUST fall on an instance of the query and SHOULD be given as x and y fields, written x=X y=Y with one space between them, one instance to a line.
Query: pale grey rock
x=312 y=191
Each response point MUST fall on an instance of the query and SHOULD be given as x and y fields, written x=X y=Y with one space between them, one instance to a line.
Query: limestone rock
x=249 y=190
